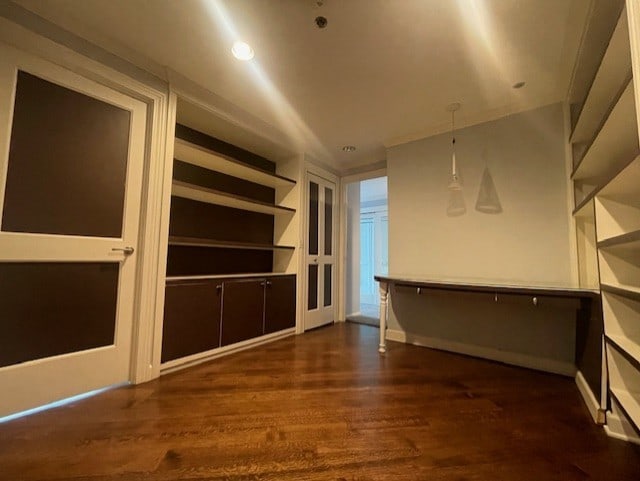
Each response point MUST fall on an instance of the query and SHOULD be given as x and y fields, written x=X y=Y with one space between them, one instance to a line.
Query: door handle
x=127 y=251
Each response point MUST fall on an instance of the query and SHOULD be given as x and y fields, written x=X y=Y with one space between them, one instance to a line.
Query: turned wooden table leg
x=384 y=295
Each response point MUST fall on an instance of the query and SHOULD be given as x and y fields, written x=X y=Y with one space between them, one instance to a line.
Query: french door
x=71 y=162
x=374 y=255
x=320 y=252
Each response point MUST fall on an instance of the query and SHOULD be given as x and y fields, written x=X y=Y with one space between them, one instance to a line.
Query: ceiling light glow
x=242 y=50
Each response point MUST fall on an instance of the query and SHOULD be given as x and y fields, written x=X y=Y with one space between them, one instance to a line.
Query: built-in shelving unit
x=195 y=242
x=614 y=71
x=207 y=159
x=614 y=146
x=212 y=196
x=606 y=180
x=231 y=256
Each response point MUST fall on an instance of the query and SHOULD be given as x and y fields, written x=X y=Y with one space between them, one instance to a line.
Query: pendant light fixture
x=456 y=206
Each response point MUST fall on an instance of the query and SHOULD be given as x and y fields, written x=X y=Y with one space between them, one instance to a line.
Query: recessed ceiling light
x=242 y=51
x=349 y=148
x=518 y=85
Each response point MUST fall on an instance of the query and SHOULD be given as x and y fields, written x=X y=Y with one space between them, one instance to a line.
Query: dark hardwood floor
x=325 y=406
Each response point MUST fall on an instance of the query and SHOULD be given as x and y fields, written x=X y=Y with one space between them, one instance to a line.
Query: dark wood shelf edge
x=620 y=291
x=602 y=185
x=491 y=289
x=610 y=109
x=231 y=196
x=626 y=413
x=620 y=239
x=195 y=242
x=235 y=161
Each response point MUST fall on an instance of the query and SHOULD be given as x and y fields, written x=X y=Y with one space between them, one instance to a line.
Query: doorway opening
x=367 y=248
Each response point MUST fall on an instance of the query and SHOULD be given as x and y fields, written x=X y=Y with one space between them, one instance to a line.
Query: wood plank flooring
x=325 y=406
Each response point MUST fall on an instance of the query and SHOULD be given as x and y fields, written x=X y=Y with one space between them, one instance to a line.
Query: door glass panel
x=385 y=246
x=67 y=162
x=312 y=295
x=327 y=285
x=367 y=284
x=328 y=223
x=313 y=217
x=49 y=308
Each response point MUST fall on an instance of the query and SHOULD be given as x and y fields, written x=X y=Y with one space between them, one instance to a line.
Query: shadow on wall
x=477 y=324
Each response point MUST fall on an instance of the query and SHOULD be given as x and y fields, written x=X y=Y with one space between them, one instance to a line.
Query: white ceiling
x=381 y=73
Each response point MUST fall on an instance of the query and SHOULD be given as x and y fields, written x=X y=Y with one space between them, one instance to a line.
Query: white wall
x=527 y=244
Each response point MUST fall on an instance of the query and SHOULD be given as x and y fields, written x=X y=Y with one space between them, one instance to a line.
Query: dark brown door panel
x=280 y=304
x=191 y=318
x=242 y=310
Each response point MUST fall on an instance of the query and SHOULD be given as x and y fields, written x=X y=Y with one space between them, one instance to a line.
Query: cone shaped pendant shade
x=488 y=201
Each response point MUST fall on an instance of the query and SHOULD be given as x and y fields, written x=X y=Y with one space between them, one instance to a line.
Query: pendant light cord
x=453 y=143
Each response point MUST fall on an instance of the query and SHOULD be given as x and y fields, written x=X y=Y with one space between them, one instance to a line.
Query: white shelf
x=613 y=73
x=620 y=267
x=622 y=319
x=623 y=243
x=630 y=403
x=584 y=209
x=196 y=155
x=615 y=144
x=211 y=196
x=624 y=382
x=625 y=344
x=621 y=289
x=625 y=187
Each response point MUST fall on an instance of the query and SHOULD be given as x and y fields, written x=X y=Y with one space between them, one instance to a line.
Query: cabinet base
x=201 y=357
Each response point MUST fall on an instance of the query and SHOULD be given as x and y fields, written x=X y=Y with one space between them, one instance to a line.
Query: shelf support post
x=384 y=296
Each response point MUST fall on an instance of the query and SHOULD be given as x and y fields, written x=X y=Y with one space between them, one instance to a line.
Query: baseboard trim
x=507 y=357
x=597 y=413
x=185 y=362
x=619 y=428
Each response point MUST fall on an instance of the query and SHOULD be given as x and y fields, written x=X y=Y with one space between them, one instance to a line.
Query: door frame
x=311 y=168
x=127 y=79
x=342 y=263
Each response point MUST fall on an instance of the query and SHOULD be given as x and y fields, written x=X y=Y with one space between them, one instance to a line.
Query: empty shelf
x=623 y=343
x=211 y=196
x=616 y=143
x=196 y=242
x=613 y=73
x=628 y=241
x=196 y=155
x=622 y=290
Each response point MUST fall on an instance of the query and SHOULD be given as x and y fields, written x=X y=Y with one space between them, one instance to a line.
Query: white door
x=71 y=161
x=374 y=255
x=320 y=252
